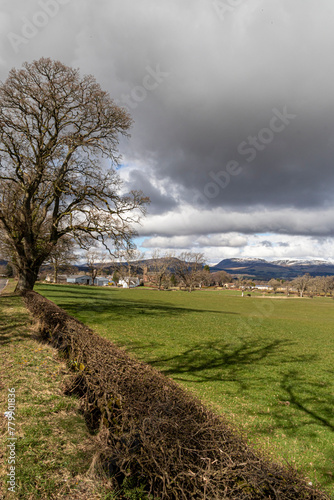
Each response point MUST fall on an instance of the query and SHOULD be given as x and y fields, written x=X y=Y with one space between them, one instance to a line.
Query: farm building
x=87 y=280
x=129 y=282
x=101 y=281
x=80 y=280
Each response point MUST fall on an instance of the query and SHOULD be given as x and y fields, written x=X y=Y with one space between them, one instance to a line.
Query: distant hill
x=260 y=269
x=137 y=266
x=281 y=269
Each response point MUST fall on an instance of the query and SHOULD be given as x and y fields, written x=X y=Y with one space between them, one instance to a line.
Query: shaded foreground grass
x=267 y=364
x=54 y=448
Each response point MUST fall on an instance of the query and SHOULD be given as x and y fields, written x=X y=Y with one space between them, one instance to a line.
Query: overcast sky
x=233 y=105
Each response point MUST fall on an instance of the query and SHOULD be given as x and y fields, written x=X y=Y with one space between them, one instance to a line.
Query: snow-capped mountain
x=301 y=262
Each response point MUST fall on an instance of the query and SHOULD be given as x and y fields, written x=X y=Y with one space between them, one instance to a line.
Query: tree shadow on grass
x=244 y=363
x=313 y=398
x=301 y=404
x=15 y=331
x=120 y=308
x=306 y=411
x=305 y=399
x=13 y=326
x=209 y=361
x=248 y=363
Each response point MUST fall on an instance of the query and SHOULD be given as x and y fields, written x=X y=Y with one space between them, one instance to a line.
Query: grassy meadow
x=266 y=363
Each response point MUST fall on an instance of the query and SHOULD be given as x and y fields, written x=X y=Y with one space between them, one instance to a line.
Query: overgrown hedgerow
x=151 y=430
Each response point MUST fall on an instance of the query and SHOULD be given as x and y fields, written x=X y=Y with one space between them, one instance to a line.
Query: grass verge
x=54 y=449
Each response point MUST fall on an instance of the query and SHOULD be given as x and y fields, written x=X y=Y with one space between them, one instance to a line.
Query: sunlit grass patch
x=265 y=363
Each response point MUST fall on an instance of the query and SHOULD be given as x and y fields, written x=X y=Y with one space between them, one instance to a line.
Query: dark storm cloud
x=159 y=202
x=222 y=84
x=231 y=111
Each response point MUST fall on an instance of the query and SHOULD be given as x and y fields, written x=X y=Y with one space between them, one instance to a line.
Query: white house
x=129 y=282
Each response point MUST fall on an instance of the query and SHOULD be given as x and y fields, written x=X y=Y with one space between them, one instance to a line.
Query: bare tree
x=58 y=148
x=287 y=285
x=243 y=284
x=160 y=266
x=96 y=262
x=205 y=278
x=274 y=284
x=221 y=277
x=189 y=269
x=301 y=283
x=62 y=255
x=133 y=256
x=313 y=286
x=326 y=284
x=129 y=261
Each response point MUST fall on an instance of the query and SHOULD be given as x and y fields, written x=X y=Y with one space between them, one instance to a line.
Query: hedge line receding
x=153 y=431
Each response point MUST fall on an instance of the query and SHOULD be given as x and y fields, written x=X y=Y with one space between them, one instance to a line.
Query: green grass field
x=266 y=363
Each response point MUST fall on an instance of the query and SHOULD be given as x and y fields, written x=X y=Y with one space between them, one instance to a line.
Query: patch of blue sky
x=138 y=242
x=123 y=165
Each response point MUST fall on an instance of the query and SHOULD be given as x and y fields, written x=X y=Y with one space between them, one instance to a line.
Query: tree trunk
x=55 y=271
x=27 y=279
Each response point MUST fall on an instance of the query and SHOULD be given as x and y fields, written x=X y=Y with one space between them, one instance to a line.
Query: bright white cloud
x=273 y=247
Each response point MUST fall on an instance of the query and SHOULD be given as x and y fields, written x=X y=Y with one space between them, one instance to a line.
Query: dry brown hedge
x=153 y=431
